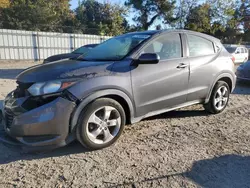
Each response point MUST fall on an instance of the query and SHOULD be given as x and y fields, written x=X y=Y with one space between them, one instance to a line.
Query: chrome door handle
x=182 y=66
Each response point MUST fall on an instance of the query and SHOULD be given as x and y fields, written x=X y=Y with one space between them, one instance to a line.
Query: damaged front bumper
x=45 y=125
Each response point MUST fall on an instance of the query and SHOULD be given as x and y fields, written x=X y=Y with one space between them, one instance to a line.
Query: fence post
x=74 y=41
x=38 y=46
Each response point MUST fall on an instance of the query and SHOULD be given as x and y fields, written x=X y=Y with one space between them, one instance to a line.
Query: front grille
x=9 y=117
x=22 y=89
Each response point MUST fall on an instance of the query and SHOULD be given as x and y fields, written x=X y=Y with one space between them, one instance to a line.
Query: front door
x=163 y=85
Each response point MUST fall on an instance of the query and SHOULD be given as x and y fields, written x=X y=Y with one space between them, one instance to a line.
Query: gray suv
x=121 y=81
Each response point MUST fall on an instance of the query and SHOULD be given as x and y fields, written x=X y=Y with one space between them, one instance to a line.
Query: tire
x=213 y=106
x=95 y=135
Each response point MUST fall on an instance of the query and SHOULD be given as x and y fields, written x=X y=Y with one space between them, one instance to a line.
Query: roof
x=152 y=32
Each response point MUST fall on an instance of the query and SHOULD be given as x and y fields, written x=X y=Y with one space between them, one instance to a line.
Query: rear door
x=238 y=55
x=243 y=54
x=163 y=85
x=202 y=53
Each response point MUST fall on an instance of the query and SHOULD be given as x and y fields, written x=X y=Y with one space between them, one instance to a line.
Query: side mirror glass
x=149 y=58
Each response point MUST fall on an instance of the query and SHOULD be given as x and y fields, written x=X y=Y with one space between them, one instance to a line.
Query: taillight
x=233 y=59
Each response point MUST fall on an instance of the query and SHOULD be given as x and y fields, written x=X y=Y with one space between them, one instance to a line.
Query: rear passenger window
x=242 y=50
x=246 y=50
x=199 y=46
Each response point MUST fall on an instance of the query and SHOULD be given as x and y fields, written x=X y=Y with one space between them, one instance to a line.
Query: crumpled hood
x=65 y=69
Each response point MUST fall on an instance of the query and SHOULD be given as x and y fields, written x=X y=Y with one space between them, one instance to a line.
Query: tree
x=112 y=22
x=147 y=11
x=199 y=19
x=183 y=10
x=101 y=18
x=38 y=15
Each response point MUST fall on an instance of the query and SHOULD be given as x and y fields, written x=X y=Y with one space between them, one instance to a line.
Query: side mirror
x=237 y=52
x=149 y=58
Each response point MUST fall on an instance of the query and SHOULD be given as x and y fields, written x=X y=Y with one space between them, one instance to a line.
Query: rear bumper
x=47 y=125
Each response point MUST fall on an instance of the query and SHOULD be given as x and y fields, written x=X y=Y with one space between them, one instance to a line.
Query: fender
x=223 y=75
x=96 y=95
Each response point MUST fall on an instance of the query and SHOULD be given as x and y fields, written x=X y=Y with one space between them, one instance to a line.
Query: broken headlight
x=43 y=88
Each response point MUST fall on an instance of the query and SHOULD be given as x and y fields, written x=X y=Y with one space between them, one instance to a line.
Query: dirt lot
x=184 y=148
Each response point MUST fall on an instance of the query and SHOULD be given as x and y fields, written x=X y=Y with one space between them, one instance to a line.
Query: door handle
x=182 y=66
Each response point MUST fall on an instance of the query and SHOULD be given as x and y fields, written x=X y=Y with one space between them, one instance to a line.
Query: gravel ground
x=184 y=148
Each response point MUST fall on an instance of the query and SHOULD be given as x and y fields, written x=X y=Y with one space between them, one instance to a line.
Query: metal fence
x=31 y=45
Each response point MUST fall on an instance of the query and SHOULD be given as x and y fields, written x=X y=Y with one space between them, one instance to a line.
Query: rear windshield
x=230 y=49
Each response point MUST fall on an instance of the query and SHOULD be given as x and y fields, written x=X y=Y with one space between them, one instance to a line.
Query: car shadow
x=9 y=73
x=224 y=171
x=10 y=153
x=179 y=114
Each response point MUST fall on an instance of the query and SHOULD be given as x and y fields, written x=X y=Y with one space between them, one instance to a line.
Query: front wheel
x=219 y=98
x=100 y=123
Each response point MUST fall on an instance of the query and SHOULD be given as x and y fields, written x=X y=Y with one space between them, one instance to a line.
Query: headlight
x=48 y=87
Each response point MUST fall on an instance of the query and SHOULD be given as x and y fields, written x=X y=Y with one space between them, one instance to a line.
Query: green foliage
x=199 y=19
x=101 y=18
x=38 y=15
x=112 y=23
x=183 y=11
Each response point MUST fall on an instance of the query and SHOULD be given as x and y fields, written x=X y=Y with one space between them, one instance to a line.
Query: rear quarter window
x=199 y=46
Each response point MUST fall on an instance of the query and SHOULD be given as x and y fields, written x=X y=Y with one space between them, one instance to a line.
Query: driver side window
x=167 y=46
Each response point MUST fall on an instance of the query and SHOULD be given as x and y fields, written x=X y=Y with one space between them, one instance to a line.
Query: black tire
x=81 y=132
x=210 y=107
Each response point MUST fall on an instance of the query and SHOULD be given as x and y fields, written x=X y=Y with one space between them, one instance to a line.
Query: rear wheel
x=219 y=98
x=101 y=123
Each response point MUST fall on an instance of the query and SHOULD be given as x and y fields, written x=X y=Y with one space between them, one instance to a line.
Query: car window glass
x=231 y=49
x=167 y=46
x=242 y=50
x=81 y=50
x=116 y=48
x=245 y=50
x=199 y=46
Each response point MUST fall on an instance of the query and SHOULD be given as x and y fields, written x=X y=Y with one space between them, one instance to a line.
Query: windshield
x=115 y=48
x=231 y=50
x=81 y=50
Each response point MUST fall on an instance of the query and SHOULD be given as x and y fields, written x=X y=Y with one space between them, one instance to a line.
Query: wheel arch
x=226 y=77
x=119 y=96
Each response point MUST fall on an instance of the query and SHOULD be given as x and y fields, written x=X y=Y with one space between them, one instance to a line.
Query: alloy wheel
x=103 y=125
x=221 y=98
